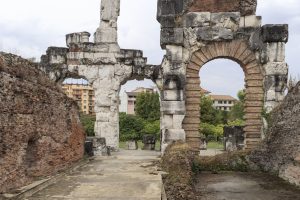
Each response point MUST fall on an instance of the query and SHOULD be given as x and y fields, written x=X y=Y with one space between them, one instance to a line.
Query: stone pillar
x=173 y=103
x=107 y=32
x=107 y=111
x=276 y=69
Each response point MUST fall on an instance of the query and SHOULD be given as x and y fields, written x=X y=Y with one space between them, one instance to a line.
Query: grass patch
x=122 y=145
x=234 y=161
x=215 y=145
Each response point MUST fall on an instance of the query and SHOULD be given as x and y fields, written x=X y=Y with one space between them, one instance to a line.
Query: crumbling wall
x=40 y=131
x=280 y=152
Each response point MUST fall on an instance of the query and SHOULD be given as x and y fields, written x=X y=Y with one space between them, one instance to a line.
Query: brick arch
x=240 y=52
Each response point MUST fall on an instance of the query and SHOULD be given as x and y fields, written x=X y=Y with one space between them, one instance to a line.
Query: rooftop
x=222 y=97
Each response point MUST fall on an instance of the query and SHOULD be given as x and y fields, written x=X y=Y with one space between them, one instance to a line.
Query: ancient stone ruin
x=280 y=151
x=193 y=32
x=40 y=131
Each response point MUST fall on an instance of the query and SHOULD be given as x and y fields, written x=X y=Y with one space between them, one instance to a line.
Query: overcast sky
x=28 y=27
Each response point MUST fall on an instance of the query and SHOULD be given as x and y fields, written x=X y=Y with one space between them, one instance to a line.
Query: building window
x=220 y=102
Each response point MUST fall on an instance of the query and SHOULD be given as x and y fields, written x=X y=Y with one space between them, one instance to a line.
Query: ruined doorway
x=239 y=52
x=139 y=116
x=222 y=93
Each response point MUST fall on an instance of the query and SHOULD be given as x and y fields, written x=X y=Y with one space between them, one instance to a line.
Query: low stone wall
x=40 y=131
x=280 y=152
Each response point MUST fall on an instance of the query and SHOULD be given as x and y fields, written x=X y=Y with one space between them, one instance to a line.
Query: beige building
x=223 y=102
x=84 y=96
x=128 y=100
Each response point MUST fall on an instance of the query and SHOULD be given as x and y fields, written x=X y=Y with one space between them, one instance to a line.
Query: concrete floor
x=244 y=186
x=128 y=175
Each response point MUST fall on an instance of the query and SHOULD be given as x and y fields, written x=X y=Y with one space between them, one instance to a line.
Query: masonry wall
x=40 y=131
x=280 y=151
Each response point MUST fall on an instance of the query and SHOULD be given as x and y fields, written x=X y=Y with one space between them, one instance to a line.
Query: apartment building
x=128 y=99
x=83 y=94
x=223 y=102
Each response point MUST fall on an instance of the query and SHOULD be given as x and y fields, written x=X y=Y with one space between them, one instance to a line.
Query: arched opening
x=83 y=93
x=31 y=155
x=240 y=52
x=222 y=106
x=139 y=116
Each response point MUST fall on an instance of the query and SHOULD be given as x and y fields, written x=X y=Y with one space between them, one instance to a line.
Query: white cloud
x=29 y=27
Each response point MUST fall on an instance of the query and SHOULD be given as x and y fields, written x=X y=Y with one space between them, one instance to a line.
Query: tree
x=212 y=131
x=208 y=114
x=237 y=111
x=88 y=123
x=152 y=128
x=131 y=127
x=241 y=95
x=148 y=106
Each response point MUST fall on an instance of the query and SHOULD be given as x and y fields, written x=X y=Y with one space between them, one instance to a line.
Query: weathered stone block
x=197 y=19
x=174 y=135
x=149 y=142
x=167 y=21
x=173 y=7
x=228 y=20
x=250 y=21
x=275 y=51
x=270 y=95
x=106 y=35
x=177 y=121
x=110 y=10
x=77 y=38
x=173 y=95
x=214 y=34
x=174 y=53
x=171 y=36
x=173 y=107
x=275 y=33
x=167 y=121
x=276 y=68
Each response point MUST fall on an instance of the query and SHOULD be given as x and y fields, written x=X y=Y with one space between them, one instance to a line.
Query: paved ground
x=244 y=186
x=128 y=175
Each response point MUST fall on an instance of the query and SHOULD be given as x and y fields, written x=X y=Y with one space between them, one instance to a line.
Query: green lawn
x=215 y=145
x=122 y=145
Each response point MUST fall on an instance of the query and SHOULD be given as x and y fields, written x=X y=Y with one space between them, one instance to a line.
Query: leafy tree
x=152 y=128
x=131 y=127
x=212 y=131
x=237 y=122
x=148 y=106
x=208 y=114
x=237 y=111
x=88 y=123
x=241 y=95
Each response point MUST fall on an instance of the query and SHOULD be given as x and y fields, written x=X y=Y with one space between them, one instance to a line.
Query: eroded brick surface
x=40 y=131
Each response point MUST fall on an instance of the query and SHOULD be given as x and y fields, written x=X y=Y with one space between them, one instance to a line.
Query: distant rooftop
x=222 y=97
x=204 y=91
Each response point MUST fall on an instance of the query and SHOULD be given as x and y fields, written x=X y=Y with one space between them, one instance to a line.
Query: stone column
x=107 y=32
x=107 y=111
x=276 y=69
x=172 y=100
